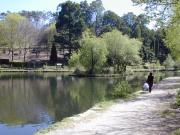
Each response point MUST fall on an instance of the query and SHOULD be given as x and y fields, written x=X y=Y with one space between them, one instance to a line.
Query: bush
x=177 y=102
x=18 y=64
x=178 y=99
x=74 y=60
x=177 y=65
x=122 y=90
x=169 y=62
x=177 y=132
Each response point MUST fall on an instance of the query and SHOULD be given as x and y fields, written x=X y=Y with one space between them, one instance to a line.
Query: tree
x=173 y=32
x=11 y=25
x=86 y=13
x=122 y=50
x=92 y=54
x=160 y=10
x=3 y=41
x=97 y=12
x=53 y=56
x=47 y=37
x=38 y=18
x=111 y=21
x=26 y=36
x=70 y=25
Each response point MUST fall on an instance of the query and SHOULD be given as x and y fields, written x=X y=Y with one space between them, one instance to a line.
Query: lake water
x=31 y=101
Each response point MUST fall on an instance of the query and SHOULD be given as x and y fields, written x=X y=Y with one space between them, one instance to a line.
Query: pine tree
x=53 y=56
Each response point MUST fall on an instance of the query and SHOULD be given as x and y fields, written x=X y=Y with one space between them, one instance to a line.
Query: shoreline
x=93 y=112
x=54 y=69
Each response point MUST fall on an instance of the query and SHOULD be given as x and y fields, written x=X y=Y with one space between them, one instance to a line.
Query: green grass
x=177 y=132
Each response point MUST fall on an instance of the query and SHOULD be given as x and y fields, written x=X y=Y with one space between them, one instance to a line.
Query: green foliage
x=159 y=10
x=122 y=50
x=11 y=28
x=53 y=56
x=74 y=60
x=93 y=54
x=177 y=132
x=70 y=25
x=122 y=90
x=173 y=32
x=178 y=99
x=177 y=64
x=169 y=62
x=97 y=10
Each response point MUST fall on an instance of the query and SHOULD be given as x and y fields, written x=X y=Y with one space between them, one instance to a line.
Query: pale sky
x=120 y=7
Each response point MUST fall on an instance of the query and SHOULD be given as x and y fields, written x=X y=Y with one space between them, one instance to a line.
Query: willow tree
x=92 y=54
x=123 y=51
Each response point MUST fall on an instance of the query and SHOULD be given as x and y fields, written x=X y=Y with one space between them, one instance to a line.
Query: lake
x=32 y=101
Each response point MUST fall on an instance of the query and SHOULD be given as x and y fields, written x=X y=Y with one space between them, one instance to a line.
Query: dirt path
x=140 y=116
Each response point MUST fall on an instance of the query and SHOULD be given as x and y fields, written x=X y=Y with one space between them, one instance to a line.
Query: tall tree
x=47 y=37
x=111 y=21
x=53 y=56
x=27 y=37
x=38 y=18
x=70 y=25
x=97 y=12
x=86 y=13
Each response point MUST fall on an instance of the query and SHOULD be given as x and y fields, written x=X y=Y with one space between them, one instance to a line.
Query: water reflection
x=32 y=101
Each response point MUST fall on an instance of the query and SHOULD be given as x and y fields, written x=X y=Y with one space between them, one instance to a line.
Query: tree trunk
x=25 y=51
x=92 y=62
x=12 y=54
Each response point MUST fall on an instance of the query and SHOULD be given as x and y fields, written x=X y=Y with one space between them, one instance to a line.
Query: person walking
x=150 y=81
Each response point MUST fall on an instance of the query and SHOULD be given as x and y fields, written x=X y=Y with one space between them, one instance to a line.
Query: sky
x=120 y=7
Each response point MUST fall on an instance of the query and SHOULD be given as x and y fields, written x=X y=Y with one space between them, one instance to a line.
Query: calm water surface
x=29 y=101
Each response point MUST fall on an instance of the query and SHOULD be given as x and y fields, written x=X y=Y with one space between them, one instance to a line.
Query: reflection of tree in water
x=75 y=95
x=37 y=98
x=53 y=86
x=21 y=100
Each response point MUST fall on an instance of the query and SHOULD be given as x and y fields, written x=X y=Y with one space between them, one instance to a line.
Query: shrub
x=169 y=62
x=122 y=90
x=178 y=99
x=177 y=64
x=177 y=132
x=18 y=64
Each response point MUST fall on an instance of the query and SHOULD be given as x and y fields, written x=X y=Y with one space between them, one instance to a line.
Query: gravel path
x=140 y=116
